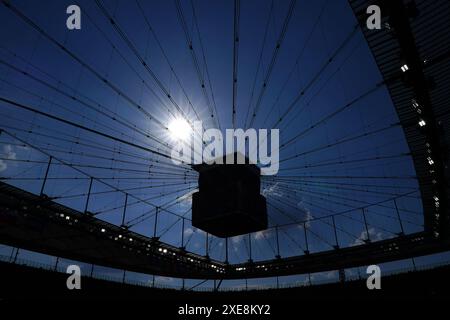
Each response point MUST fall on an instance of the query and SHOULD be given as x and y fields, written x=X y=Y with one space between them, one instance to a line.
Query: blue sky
x=325 y=169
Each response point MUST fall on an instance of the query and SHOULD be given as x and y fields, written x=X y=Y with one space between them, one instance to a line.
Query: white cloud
x=260 y=234
x=374 y=236
x=23 y=147
x=7 y=153
x=272 y=190
x=188 y=231
x=3 y=166
x=186 y=199
x=163 y=280
x=308 y=216
x=188 y=195
x=236 y=239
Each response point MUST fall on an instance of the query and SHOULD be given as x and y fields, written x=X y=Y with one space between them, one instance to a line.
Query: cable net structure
x=86 y=116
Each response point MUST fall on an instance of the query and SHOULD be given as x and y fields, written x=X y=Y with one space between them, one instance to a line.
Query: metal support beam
x=226 y=250
x=15 y=256
x=182 y=233
x=278 y=256
x=124 y=210
x=56 y=264
x=250 y=247
x=198 y=284
x=218 y=285
x=92 y=270
x=342 y=276
x=399 y=219
x=156 y=222
x=46 y=175
x=366 y=225
x=306 y=238
x=25 y=234
x=88 y=196
x=207 y=245
x=414 y=264
x=14 y=252
x=335 y=233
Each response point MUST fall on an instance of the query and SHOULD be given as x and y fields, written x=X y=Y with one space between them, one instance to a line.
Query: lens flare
x=180 y=129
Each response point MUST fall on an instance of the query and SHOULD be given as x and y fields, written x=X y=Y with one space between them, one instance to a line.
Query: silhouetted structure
x=413 y=57
x=19 y=282
x=229 y=202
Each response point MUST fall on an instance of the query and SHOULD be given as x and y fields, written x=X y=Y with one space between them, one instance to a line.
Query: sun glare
x=180 y=129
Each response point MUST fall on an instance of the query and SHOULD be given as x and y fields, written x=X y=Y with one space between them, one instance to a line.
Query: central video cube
x=228 y=202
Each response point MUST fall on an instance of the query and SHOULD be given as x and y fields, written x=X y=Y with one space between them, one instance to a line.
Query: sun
x=180 y=129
